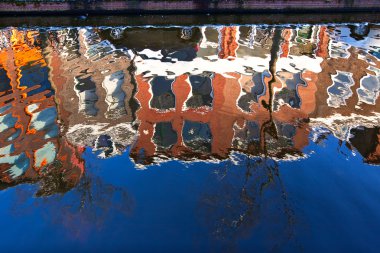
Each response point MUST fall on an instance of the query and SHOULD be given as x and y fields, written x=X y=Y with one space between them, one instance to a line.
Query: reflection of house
x=202 y=92
x=30 y=143
x=95 y=76
x=234 y=119
x=168 y=96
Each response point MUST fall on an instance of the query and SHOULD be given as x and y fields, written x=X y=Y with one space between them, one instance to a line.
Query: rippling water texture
x=190 y=139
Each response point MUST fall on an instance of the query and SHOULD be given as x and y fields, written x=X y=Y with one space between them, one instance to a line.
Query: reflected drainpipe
x=269 y=126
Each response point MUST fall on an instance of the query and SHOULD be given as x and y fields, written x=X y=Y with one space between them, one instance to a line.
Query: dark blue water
x=311 y=205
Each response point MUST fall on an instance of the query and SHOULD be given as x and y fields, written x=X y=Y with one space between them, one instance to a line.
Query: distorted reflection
x=237 y=96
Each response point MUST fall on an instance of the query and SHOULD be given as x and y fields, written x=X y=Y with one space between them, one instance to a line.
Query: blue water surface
x=324 y=203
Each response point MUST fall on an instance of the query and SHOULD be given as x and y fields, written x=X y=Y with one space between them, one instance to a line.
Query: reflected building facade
x=198 y=93
x=31 y=146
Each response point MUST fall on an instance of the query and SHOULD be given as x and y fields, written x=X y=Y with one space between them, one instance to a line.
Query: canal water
x=254 y=138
